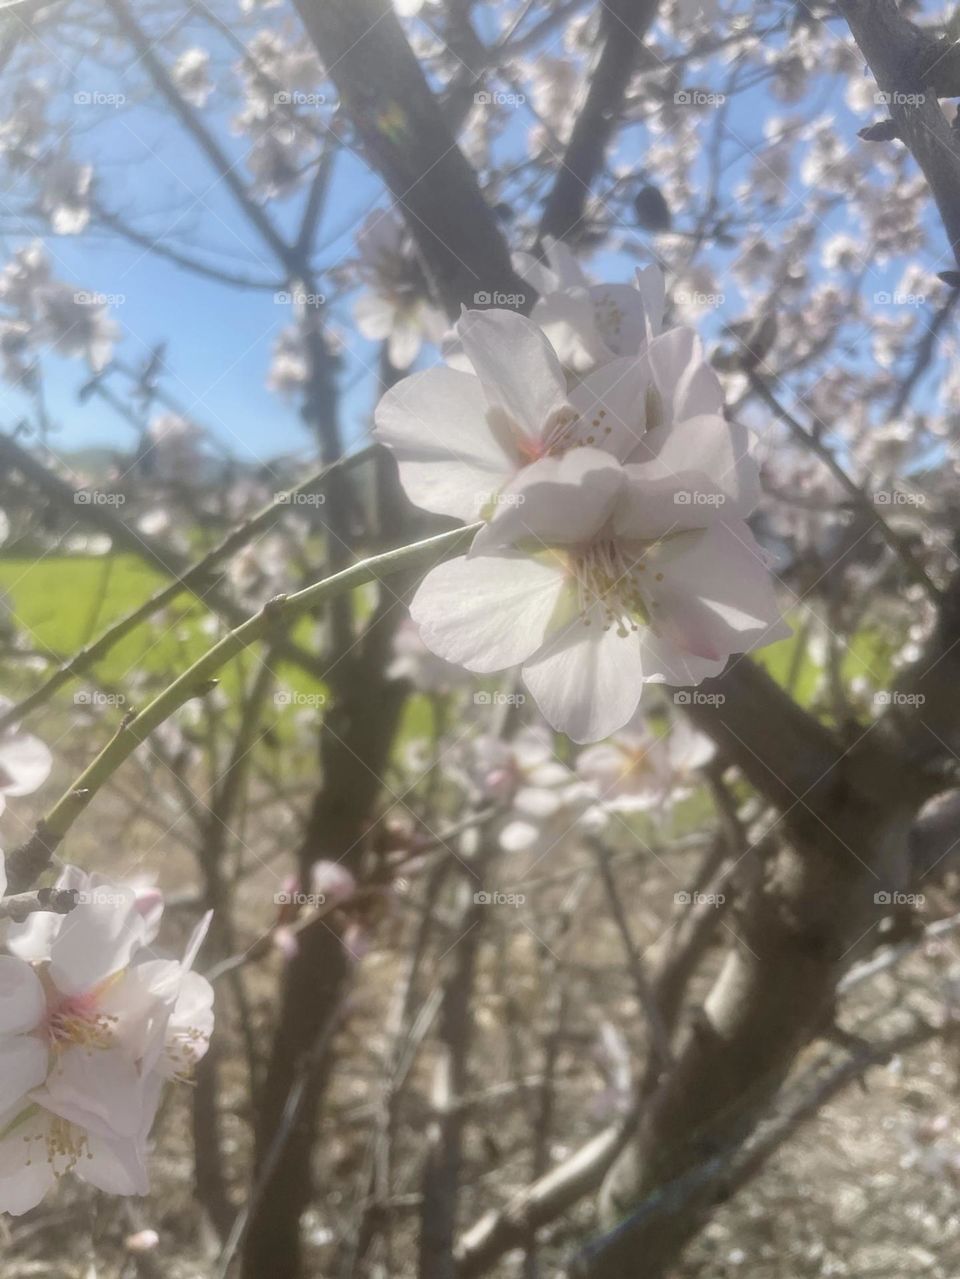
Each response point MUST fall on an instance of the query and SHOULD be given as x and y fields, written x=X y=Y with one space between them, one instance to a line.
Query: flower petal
x=611 y=402
x=22 y=1001
x=23 y=1067
x=620 y=317
x=713 y=592
x=490 y=612
x=516 y=365
x=665 y=663
x=688 y=386
x=556 y=501
x=96 y=939
x=25 y=763
x=451 y=461
x=375 y=316
x=26 y=1174
x=406 y=339
x=587 y=680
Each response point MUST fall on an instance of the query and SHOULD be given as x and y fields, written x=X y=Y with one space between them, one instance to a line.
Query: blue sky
x=219 y=339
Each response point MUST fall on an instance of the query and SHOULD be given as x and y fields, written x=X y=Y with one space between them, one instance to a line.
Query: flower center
x=569 y=430
x=75 y=1021
x=608 y=318
x=64 y=1144
x=611 y=585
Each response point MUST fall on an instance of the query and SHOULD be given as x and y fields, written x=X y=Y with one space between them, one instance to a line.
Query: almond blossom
x=590 y=324
x=396 y=307
x=636 y=769
x=615 y=551
x=543 y=799
x=90 y=1030
x=25 y=762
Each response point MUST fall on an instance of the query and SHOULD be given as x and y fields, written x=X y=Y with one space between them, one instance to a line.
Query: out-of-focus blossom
x=396 y=307
x=50 y=312
x=290 y=368
x=65 y=193
x=637 y=769
x=176 y=447
x=191 y=74
x=591 y=324
x=331 y=882
x=25 y=761
x=543 y=799
x=280 y=81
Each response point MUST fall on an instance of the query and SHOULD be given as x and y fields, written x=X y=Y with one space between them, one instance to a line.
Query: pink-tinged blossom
x=542 y=798
x=615 y=551
x=90 y=1030
x=636 y=769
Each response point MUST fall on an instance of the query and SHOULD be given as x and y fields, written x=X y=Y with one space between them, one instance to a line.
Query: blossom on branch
x=615 y=551
x=91 y=1027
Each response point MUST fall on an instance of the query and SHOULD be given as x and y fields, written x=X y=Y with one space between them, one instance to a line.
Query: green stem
x=26 y=862
x=193 y=579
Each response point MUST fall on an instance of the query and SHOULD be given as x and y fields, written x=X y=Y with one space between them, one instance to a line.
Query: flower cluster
x=92 y=1025
x=614 y=550
x=395 y=304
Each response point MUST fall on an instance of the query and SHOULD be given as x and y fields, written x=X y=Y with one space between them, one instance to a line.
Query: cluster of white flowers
x=614 y=493
x=92 y=1023
x=92 y=1026
x=44 y=311
x=275 y=77
x=63 y=185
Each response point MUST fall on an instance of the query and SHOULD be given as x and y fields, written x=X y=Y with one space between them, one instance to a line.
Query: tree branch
x=623 y=25
x=408 y=141
x=904 y=60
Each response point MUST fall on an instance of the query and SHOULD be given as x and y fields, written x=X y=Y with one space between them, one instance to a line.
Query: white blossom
x=90 y=1029
x=396 y=308
x=615 y=551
